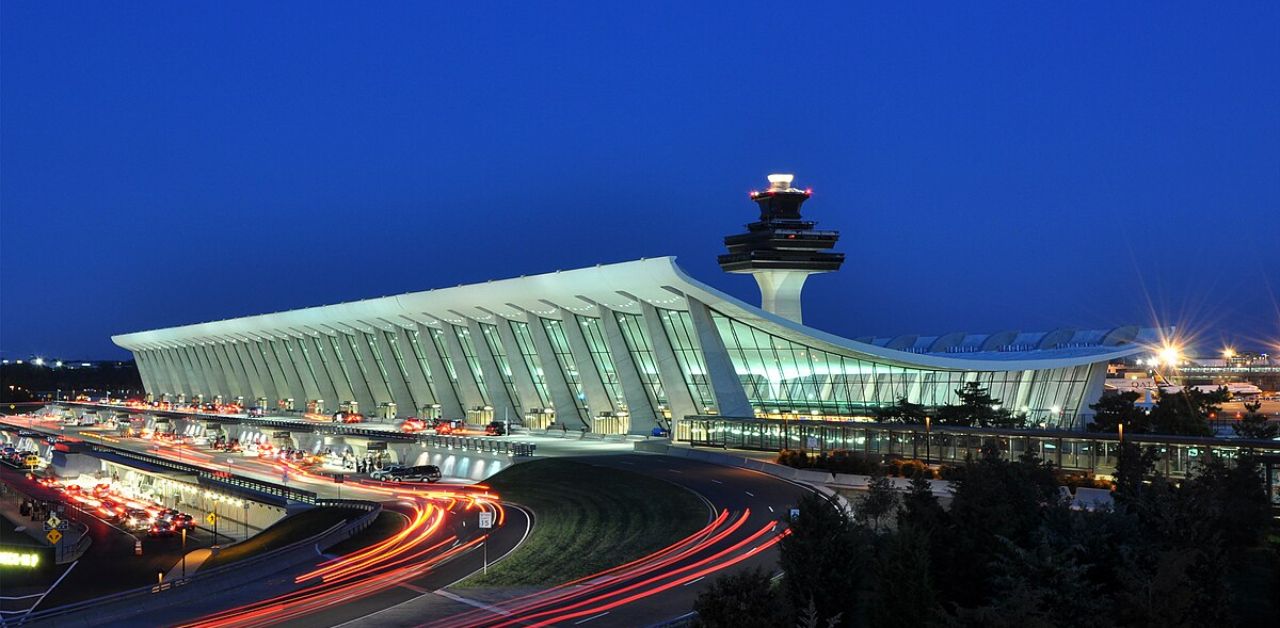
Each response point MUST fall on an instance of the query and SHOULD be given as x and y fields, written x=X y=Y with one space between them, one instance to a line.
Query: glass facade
x=437 y=338
x=564 y=357
x=342 y=364
x=499 y=354
x=599 y=351
x=637 y=340
x=414 y=340
x=473 y=362
x=529 y=354
x=679 y=326
x=780 y=375
x=396 y=353
x=377 y=359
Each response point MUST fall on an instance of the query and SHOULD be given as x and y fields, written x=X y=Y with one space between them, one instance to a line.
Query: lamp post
x=184 y=553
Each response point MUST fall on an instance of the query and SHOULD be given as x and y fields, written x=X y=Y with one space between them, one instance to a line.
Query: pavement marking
x=771 y=509
x=414 y=588
x=749 y=493
x=692 y=581
x=717 y=481
x=583 y=621
x=675 y=471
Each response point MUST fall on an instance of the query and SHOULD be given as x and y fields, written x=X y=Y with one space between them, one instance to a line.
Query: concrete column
x=563 y=396
x=255 y=379
x=468 y=388
x=673 y=382
x=446 y=395
x=236 y=370
x=144 y=371
x=216 y=381
x=598 y=399
x=419 y=387
x=219 y=360
x=643 y=415
x=325 y=361
x=731 y=398
x=271 y=389
x=520 y=375
x=300 y=381
x=180 y=385
x=406 y=403
x=780 y=291
x=306 y=371
x=504 y=407
x=196 y=383
x=157 y=382
x=283 y=390
x=377 y=385
x=359 y=385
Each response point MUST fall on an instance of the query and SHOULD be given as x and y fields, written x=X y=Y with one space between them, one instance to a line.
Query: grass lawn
x=288 y=530
x=587 y=518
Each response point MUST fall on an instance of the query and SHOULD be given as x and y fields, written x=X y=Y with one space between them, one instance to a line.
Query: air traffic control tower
x=781 y=249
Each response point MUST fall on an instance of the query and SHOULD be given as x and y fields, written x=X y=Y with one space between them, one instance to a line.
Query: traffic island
x=586 y=518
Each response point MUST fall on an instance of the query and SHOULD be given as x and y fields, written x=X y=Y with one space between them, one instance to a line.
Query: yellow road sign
x=54 y=536
x=211 y=518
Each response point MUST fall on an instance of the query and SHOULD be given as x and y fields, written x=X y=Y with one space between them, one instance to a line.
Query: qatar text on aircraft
x=622 y=348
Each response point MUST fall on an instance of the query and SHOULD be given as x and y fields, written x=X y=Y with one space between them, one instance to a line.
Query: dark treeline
x=29 y=381
x=1009 y=551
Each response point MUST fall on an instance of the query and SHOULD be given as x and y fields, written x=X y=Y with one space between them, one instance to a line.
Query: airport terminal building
x=621 y=348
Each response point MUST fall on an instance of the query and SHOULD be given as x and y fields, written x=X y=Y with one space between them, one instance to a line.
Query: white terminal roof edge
x=658 y=281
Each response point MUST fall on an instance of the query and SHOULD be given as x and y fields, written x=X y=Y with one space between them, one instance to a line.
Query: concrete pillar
x=504 y=407
x=446 y=394
x=359 y=385
x=397 y=380
x=325 y=361
x=255 y=379
x=271 y=389
x=520 y=375
x=419 y=387
x=291 y=377
x=311 y=388
x=468 y=388
x=731 y=398
x=673 y=382
x=598 y=398
x=644 y=417
x=563 y=396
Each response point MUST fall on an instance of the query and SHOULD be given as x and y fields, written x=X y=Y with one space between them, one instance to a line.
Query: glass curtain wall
x=637 y=340
x=382 y=367
x=396 y=353
x=600 y=357
x=499 y=354
x=473 y=363
x=780 y=375
x=437 y=338
x=524 y=340
x=337 y=359
x=679 y=326
x=564 y=357
x=414 y=340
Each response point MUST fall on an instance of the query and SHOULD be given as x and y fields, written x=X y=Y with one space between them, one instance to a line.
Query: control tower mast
x=781 y=249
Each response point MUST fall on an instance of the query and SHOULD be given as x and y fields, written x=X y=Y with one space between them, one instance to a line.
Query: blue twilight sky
x=990 y=166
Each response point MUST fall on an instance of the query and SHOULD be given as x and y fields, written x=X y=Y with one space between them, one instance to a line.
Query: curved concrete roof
x=658 y=281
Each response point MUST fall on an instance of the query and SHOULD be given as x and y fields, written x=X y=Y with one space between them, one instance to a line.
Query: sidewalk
x=195 y=558
x=68 y=548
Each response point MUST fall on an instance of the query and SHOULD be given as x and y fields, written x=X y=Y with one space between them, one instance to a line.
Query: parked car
x=496 y=428
x=423 y=473
x=386 y=472
x=256 y=411
x=413 y=425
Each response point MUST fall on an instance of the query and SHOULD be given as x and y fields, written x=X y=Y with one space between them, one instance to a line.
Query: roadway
x=747 y=508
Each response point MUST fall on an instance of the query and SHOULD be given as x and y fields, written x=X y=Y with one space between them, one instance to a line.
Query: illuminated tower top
x=781 y=249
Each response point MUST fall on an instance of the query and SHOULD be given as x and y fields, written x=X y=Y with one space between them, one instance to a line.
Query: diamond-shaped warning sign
x=53 y=522
x=211 y=518
x=54 y=536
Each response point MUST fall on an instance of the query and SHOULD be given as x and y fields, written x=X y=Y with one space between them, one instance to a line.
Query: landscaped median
x=587 y=518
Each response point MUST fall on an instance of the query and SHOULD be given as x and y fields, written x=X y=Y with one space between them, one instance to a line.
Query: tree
x=1134 y=464
x=902 y=593
x=1254 y=424
x=920 y=509
x=1186 y=412
x=902 y=412
x=978 y=409
x=879 y=501
x=823 y=560
x=746 y=598
x=1120 y=409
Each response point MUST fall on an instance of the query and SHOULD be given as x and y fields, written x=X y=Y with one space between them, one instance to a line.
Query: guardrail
x=478 y=443
x=151 y=597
